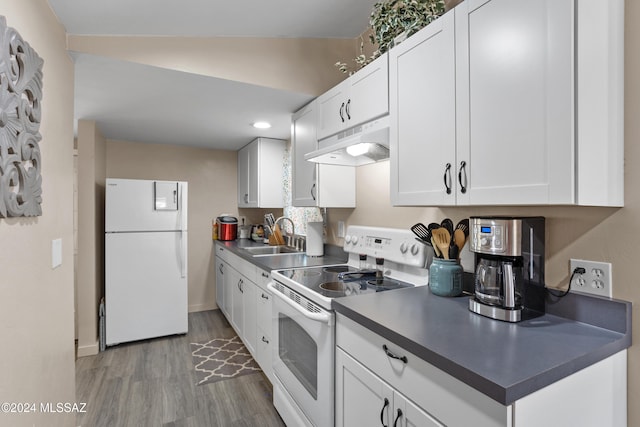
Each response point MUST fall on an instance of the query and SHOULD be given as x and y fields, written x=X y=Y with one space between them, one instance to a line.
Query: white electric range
x=380 y=259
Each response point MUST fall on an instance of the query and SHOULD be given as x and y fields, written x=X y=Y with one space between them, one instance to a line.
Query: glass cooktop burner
x=327 y=281
x=337 y=269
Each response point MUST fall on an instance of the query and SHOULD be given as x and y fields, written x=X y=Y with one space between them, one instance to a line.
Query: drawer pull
x=265 y=275
x=395 y=423
x=265 y=296
x=264 y=340
x=393 y=356
x=386 y=403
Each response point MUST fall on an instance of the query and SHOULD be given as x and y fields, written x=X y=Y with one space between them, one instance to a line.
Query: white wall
x=90 y=269
x=211 y=175
x=36 y=301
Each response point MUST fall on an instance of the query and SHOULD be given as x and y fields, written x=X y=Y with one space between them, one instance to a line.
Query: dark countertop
x=333 y=255
x=502 y=360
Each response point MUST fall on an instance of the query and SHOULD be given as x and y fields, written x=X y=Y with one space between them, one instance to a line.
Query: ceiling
x=191 y=109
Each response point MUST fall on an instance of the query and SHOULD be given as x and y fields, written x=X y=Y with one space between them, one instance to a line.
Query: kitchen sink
x=272 y=250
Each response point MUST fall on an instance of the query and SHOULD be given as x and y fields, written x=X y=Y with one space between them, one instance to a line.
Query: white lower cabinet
x=263 y=322
x=221 y=298
x=235 y=284
x=374 y=387
x=249 y=318
x=363 y=399
x=242 y=295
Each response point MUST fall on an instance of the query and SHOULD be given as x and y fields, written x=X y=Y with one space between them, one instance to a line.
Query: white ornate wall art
x=20 y=114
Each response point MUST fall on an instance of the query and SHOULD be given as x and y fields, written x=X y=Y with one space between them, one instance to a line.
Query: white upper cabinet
x=536 y=118
x=423 y=113
x=315 y=184
x=260 y=176
x=362 y=97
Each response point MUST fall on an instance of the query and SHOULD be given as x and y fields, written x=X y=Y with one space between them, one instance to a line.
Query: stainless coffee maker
x=509 y=267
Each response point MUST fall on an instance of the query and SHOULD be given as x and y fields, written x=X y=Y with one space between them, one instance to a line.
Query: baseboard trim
x=202 y=307
x=89 y=350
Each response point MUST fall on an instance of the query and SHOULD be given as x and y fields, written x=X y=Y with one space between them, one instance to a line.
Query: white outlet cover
x=596 y=280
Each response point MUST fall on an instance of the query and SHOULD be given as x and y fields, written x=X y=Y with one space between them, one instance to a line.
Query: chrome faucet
x=293 y=228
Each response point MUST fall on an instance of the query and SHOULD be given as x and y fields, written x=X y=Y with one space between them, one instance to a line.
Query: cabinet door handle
x=240 y=282
x=313 y=194
x=386 y=403
x=393 y=356
x=265 y=275
x=463 y=168
x=447 y=174
x=221 y=269
x=341 y=112
x=395 y=423
x=264 y=340
x=246 y=198
x=346 y=109
x=265 y=296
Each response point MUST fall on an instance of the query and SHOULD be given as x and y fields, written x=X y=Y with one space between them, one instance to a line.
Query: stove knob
x=354 y=239
x=404 y=247
x=414 y=249
x=347 y=238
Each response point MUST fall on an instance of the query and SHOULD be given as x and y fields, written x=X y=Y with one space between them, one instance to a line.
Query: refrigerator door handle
x=183 y=254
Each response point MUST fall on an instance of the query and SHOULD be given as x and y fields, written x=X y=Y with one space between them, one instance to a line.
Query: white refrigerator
x=145 y=259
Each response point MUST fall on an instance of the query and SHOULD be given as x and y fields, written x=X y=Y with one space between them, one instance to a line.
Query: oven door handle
x=318 y=317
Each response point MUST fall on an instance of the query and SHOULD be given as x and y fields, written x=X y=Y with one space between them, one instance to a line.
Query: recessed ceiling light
x=262 y=125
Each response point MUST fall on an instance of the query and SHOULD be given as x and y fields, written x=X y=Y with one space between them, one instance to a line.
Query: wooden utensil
x=442 y=239
x=435 y=247
x=278 y=235
x=459 y=238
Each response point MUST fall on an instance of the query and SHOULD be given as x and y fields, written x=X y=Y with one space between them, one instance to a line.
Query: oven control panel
x=392 y=244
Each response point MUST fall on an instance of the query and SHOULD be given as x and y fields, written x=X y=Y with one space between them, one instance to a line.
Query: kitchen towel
x=315 y=245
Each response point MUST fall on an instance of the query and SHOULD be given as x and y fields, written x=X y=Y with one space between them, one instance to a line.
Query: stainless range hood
x=360 y=145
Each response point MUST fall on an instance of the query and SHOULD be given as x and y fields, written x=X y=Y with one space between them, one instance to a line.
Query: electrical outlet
x=596 y=279
x=340 y=228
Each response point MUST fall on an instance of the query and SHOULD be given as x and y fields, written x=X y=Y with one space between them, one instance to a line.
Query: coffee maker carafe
x=509 y=267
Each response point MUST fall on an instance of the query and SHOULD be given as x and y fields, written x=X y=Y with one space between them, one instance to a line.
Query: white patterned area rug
x=221 y=359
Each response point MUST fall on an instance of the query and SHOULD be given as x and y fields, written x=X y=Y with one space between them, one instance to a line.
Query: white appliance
x=145 y=259
x=380 y=259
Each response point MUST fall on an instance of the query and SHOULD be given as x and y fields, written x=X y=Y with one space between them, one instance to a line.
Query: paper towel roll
x=315 y=246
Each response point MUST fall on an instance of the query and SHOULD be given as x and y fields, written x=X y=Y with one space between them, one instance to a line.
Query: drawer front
x=222 y=252
x=448 y=399
x=264 y=355
x=243 y=267
x=264 y=310
x=263 y=277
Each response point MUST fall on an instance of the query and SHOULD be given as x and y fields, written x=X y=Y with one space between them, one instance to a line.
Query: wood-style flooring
x=152 y=383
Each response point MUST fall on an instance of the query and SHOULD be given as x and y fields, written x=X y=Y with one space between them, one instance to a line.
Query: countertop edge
x=504 y=395
x=333 y=255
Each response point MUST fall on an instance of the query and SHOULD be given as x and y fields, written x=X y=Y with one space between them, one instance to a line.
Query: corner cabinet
x=260 y=165
x=313 y=184
x=510 y=102
x=361 y=97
